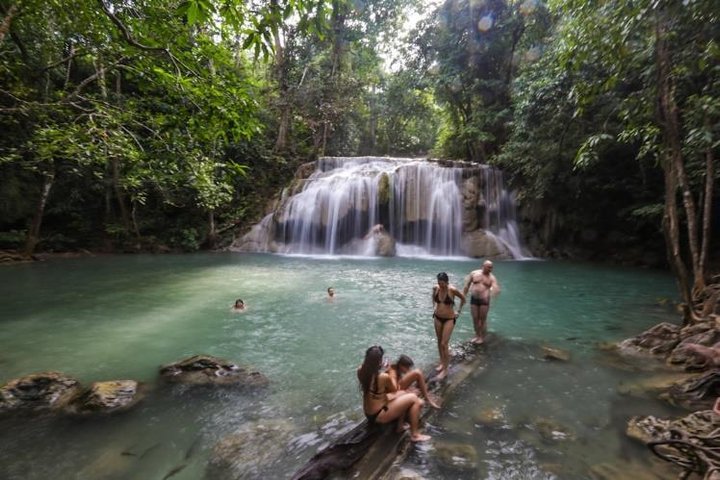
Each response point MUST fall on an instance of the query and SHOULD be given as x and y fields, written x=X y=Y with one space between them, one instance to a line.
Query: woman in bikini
x=444 y=317
x=406 y=378
x=380 y=403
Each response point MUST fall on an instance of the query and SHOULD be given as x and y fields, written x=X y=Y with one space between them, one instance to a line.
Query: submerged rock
x=652 y=386
x=245 y=453
x=208 y=370
x=490 y=417
x=406 y=474
x=459 y=456
x=551 y=353
x=630 y=471
x=38 y=391
x=107 y=397
x=552 y=431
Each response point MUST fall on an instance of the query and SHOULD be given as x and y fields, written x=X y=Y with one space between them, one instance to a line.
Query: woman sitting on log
x=404 y=377
x=381 y=403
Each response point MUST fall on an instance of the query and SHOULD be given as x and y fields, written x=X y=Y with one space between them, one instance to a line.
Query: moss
x=384 y=189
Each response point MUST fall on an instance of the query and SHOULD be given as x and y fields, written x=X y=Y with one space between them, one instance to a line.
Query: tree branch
x=126 y=32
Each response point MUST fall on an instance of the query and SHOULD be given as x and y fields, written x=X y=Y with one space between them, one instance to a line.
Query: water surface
x=119 y=317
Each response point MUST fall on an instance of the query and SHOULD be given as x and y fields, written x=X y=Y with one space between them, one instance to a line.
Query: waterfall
x=350 y=205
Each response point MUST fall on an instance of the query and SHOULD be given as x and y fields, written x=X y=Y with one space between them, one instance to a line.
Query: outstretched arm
x=495 y=287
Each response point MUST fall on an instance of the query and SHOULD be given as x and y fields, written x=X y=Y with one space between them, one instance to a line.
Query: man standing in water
x=482 y=284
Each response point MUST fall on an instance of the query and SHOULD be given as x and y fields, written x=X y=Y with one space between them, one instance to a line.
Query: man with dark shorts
x=482 y=284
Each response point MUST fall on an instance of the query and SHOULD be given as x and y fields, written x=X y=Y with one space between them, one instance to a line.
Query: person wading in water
x=482 y=284
x=444 y=317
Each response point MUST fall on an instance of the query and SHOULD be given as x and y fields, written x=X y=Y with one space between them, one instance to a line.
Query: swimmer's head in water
x=405 y=363
x=239 y=303
x=331 y=291
x=442 y=277
x=370 y=366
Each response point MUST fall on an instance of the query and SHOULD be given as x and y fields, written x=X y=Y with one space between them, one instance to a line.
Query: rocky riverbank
x=690 y=354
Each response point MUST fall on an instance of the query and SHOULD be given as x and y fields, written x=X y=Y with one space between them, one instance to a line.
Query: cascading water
x=350 y=204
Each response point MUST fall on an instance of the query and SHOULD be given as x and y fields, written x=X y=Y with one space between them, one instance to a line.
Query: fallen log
x=368 y=452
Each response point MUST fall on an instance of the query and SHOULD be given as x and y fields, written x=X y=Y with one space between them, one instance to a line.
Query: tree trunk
x=119 y=195
x=707 y=207
x=7 y=21
x=283 y=88
x=671 y=229
x=212 y=232
x=671 y=131
x=33 y=235
x=338 y=28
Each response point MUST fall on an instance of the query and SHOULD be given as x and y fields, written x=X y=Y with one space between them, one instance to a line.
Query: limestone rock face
x=244 y=454
x=471 y=197
x=481 y=244
x=38 y=391
x=305 y=170
x=208 y=370
x=107 y=397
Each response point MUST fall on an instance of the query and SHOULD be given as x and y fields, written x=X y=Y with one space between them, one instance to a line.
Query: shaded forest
x=166 y=125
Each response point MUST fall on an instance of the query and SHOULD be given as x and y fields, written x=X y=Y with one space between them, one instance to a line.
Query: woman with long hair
x=444 y=317
x=381 y=403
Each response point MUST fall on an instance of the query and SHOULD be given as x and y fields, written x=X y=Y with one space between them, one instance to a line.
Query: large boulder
x=705 y=334
x=658 y=340
x=38 y=391
x=386 y=246
x=647 y=429
x=695 y=393
x=107 y=397
x=480 y=243
x=246 y=453
x=209 y=370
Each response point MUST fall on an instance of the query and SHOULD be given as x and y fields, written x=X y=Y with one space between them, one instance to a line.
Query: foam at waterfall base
x=416 y=251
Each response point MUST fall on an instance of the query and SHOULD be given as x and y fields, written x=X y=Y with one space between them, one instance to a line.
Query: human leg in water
x=479 y=315
x=438 y=335
x=446 y=332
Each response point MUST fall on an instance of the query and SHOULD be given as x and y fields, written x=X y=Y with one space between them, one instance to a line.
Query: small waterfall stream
x=421 y=207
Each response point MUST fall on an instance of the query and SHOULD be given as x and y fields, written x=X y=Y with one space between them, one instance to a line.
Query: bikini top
x=374 y=388
x=448 y=299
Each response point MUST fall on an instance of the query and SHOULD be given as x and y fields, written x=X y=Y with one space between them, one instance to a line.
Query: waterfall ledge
x=383 y=206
